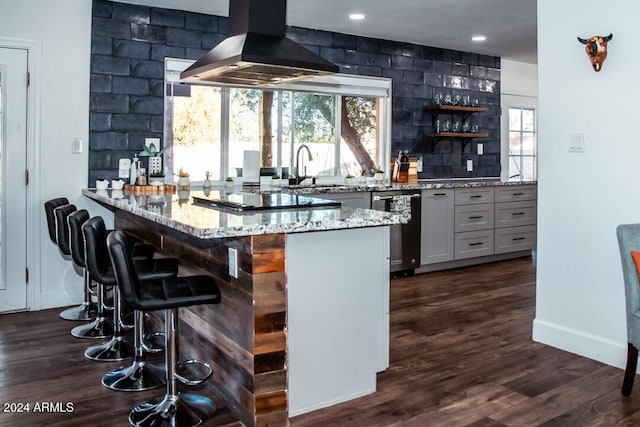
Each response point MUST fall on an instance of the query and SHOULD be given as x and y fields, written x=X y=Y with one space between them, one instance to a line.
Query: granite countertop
x=211 y=223
x=420 y=185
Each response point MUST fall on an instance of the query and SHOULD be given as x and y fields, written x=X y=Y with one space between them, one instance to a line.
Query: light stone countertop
x=428 y=184
x=212 y=223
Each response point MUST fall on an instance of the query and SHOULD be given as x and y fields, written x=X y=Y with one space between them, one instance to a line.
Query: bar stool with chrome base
x=86 y=310
x=140 y=375
x=100 y=270
x=172 y=409
x=76 y=246
x=101 y=326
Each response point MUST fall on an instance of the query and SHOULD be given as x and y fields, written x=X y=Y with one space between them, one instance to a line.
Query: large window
x=522 y=144
x=343 y=120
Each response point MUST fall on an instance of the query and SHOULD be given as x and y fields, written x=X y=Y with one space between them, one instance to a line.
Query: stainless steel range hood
x=257 y=51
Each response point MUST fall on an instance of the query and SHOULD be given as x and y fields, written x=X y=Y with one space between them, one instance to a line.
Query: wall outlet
x=77 y=146
x=480 y=149
x=469 y=165
x=420 y=164
x=233 y=262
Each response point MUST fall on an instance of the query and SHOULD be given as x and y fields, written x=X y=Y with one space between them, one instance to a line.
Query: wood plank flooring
x=461 y=355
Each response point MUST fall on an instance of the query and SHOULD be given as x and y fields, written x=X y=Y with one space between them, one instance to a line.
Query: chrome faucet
x=299 y=178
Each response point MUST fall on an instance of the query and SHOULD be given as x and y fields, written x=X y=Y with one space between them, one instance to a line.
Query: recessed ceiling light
x=357 y=16
x=479 y=38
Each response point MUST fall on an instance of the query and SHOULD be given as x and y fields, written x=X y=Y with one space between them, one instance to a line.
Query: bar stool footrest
x=154 y=343
x=193 y=372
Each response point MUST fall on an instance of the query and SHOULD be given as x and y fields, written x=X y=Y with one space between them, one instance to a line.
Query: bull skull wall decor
x=596 y=48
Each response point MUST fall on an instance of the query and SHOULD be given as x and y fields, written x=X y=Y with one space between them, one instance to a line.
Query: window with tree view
x=522 y=143
x=208 y=128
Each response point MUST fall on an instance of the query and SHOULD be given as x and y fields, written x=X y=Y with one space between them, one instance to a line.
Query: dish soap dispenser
x=206 y=185
x=133 y=170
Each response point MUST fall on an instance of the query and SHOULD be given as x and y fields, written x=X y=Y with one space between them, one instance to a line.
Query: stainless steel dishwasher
x=405 y=238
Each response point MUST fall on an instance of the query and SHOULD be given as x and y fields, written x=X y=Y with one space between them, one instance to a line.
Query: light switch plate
x=576 y=143
x=420 y=164
x=480 y=149
x=469 y=165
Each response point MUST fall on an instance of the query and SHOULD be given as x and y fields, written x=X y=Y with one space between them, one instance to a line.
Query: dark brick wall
x=129 y=44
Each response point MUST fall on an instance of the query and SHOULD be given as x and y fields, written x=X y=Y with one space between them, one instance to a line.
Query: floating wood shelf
x=454 y=110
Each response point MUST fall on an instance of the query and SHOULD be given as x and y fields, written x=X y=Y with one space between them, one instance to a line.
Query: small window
x=522 y=144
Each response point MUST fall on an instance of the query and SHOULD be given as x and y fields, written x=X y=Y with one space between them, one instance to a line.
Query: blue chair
x=629 y=240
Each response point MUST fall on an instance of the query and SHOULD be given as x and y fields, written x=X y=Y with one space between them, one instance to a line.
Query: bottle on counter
x=403 y=173
x=133 y=170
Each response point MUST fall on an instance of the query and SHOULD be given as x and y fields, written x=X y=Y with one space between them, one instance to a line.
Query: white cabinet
x=436 y=237
x=515 y=218
x=468 y=225
x=471 y=244
x=474 y=217
x=474 y=222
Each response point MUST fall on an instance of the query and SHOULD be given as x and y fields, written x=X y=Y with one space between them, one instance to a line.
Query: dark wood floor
x=461 y=355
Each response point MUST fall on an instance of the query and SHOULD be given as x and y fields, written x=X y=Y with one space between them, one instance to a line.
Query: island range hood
x=257 y=51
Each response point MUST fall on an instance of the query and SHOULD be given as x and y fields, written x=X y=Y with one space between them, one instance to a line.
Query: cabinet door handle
x=518 y=238
x=475 y=244
x=517 y=213
x=476 y=217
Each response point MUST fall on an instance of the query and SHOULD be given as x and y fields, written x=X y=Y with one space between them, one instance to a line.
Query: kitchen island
x=304 y=317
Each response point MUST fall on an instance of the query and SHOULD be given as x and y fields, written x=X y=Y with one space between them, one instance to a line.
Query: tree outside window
x=209 y=128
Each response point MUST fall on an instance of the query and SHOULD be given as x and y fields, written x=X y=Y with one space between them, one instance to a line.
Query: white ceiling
x=510 y=25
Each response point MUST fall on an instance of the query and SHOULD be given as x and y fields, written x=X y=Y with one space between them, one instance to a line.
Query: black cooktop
x=260 y=202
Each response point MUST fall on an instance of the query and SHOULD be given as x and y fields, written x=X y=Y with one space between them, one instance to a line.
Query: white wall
x=518 y=78
x=583 y=197
x=63 y=29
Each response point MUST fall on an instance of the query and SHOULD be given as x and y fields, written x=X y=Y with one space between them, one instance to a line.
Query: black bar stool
x=102 y=326
x=172 y=409
x=101 y=271
x=84 y=311
x=76 y=245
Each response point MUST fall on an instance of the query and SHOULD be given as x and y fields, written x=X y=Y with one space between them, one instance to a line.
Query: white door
x=13 y=192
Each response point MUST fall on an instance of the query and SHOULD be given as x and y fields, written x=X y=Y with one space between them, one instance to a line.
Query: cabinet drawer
x=510 y=214
x=515 y=239
x=473 y=244
x=474 y=196
x=513 y=193
x=474 y=217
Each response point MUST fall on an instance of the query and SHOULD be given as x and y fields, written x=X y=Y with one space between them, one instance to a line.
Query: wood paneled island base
x=244 y=337
x=304 y=319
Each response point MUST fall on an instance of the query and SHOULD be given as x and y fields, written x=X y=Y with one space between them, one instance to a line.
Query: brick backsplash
x=129 y=44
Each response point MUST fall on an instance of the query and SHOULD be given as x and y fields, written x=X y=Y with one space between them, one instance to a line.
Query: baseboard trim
x=59 y=298
x=428 y=268
x=580 y=343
